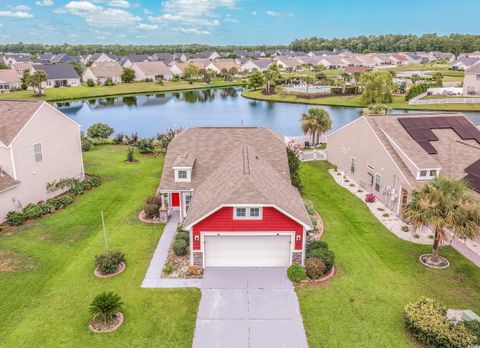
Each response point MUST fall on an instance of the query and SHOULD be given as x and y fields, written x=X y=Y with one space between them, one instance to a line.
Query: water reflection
x=151 y=113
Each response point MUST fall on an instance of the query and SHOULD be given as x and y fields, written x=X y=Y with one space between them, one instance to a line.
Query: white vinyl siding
x=37 y=150
x=247 y=251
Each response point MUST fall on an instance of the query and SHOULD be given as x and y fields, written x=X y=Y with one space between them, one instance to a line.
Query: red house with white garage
x=232 y=189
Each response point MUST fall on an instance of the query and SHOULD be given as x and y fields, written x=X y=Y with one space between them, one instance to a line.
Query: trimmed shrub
x=151 y=211
x=99 y=130
x=168 y=268
x=179 y=247
x=86 y=143
x=327 y=256
x=90 y=83
x=94 y=181
x=296 y=273
x=427 y=321
x=130 y=154
x=183 y=235
x=15 y=218
x=47 y=208
x=145 y=145
x=109 y=263
x=32 y=211
x=157 y=200
x=316 y=244
x=474 y=327
x=315 y=268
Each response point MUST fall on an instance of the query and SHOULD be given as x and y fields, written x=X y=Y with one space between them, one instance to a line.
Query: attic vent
x=246 y=165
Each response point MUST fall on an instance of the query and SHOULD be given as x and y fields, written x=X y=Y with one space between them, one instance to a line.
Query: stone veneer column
x=198 y=259
x=297 y=257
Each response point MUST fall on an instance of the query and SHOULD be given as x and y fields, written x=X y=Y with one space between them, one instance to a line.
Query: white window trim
x=176 y=170
x=379 y=182
x=247 y=213
x=427 y=176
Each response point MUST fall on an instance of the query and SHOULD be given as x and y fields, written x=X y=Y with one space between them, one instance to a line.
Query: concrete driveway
x=248 y=307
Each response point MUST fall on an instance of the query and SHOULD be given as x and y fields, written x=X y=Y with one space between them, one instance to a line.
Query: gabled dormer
x=183 y=167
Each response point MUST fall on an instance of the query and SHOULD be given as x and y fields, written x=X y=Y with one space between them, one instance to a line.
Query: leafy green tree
x=78 y=67
x=294 y=163
x=36 y=80
x=255 y=80
x=272 y=74
x=444 y=204
x=25 y=79
x=377 y=87
x=106 y=305
x=376 y=109
x=190 y=71
x=3 y=66
x=316 y=121
x=99 y=131
x=128 y=75
x=345 y=78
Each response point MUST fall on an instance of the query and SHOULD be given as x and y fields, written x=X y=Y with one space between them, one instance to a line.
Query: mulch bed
x=442 y=263
x=121 y=269
x=98 y=326
x=181 y=264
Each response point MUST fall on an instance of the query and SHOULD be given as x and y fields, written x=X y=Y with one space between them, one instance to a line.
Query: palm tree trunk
x=436 y=246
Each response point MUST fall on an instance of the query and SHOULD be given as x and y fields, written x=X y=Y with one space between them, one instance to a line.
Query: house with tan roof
x=391 y=155
x=218 y=65
x=232 y=188
x=155 y=71
x=38 y=144
x=9 y=80
x=101 y=72
x=471 y=81
x=256 y=64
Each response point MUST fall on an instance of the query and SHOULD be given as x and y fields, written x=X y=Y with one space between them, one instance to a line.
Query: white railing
x=314 y=155
x=445 y=101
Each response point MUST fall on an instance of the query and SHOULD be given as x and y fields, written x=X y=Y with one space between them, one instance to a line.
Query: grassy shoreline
x=83 y=92
x=355 y=101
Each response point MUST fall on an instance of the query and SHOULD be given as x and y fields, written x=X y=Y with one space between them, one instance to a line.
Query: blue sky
x=226 y=21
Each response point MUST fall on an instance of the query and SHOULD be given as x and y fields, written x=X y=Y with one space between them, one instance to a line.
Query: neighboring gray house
x=59 y=75
x=127 y=62
x=38 y=144
x=464 y=63
x=391 y=155
x=471 y=81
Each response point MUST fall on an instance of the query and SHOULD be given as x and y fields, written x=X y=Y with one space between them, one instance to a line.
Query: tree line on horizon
x=454 y=43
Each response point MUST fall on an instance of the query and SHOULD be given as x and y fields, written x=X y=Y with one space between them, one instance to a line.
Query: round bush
x=32 y=211
x=327 y=256
x=99 y=130
x=109 y=263
x=179 y=247
x=155 y=200
x=296 y=273
x=183 y=235
x=151 y=211
x=316 y=244
x=15 y=218
x=315 y=268
x=47 y=208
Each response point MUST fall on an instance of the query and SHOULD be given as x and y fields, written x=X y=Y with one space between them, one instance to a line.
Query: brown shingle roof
x=184 y=160
x=6 y=181
x=155 y=68
x=107 y=70
x=13 y=116
x=9 y=76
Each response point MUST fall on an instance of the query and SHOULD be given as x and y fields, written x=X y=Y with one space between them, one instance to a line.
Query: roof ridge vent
x=246 y=164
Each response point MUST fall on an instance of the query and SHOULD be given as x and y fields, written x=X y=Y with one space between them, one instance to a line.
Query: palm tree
x=316 y=121
x=376 y=109
x=444 y=204
x=106 y=305
x=271 y=75
x=345 y=78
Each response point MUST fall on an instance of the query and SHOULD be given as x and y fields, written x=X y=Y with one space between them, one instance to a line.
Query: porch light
x=197 y=239
x=299 y=238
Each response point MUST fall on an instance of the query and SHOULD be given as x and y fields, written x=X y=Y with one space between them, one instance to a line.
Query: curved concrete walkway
x=248 y=308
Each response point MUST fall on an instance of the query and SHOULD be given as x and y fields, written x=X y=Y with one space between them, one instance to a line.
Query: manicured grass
x=378 y=274
x=46 y=303
x=438 y=96
x=82 y=92
x=355 y=101
x=412 y=67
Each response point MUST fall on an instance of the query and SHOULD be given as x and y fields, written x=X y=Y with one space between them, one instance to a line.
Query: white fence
x=314 y=155
x=445 y=101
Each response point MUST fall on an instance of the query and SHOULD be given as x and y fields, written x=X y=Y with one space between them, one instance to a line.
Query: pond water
x=154 y=113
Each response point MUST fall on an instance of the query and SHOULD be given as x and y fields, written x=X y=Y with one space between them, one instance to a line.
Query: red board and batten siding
x=272 y=220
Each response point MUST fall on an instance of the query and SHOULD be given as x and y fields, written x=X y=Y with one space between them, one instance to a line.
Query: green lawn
x=45 y=302
x=413 y=67
x=82 y=92
x=355 y=101
x=378 y=274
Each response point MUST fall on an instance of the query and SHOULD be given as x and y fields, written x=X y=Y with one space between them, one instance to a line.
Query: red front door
x=175 y=199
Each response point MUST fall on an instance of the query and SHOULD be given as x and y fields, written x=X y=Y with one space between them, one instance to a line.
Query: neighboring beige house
x=101 y=72
x=178 y=68
x=151 y=70
x=471 y=81
x=9 y=80
x=218 y=65
x=391 y=155
x=100 y=58
x=20 y=68
x=38 y=144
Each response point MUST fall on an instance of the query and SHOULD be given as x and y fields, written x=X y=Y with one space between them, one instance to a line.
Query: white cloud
x=278 y=14
x=22 y=8
x=230 y=20
x=98 y=16
x=44 y=3
x=192 y=31
x=17 y=14
x=144 y=26
x=196 y=16
x=147 y=11
x=254 y=13
x=120 y=3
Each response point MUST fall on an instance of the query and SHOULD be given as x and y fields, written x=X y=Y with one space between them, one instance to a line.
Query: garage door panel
x=247 y=251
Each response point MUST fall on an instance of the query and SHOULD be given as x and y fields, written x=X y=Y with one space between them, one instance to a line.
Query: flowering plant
x=370 y=198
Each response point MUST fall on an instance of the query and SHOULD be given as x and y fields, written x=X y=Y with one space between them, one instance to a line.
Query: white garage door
x=247 y=251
